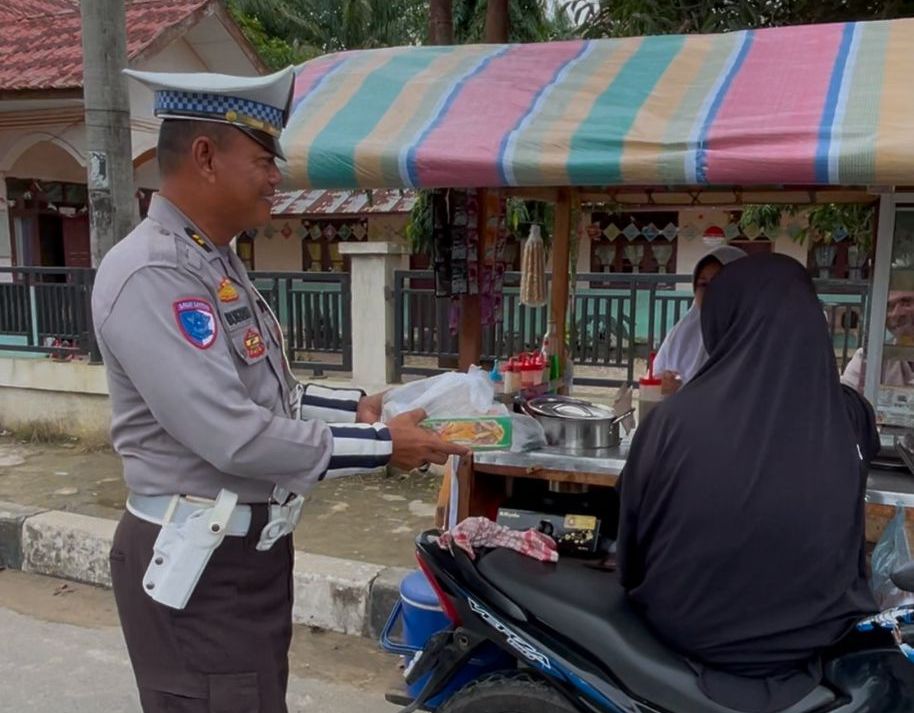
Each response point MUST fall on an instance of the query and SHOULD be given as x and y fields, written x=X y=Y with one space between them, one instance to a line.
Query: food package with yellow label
x=479 y=433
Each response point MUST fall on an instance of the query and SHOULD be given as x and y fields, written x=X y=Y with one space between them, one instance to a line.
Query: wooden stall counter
x=484 y=480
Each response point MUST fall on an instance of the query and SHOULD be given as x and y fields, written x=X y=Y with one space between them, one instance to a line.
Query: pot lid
x=566 y=407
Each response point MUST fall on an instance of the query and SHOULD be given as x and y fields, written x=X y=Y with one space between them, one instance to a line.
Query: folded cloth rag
x=482 y=532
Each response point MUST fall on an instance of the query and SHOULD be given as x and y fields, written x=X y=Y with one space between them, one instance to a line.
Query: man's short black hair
x=176 y=136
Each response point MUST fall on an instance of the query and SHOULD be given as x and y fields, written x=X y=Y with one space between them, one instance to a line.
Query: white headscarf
x=683 y=350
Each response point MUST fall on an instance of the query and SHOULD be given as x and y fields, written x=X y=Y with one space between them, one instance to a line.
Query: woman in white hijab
x=683 y=353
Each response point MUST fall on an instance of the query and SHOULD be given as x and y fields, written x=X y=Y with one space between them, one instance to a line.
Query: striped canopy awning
x=812 y=105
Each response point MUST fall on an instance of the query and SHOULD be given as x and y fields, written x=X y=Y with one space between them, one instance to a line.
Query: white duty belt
x=192 y=529
x=281 y=520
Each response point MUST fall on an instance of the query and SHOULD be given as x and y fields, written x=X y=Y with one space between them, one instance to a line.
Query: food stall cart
x=797 y=115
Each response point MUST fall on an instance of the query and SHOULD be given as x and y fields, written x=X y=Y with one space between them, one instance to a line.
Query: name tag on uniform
x=238 y=315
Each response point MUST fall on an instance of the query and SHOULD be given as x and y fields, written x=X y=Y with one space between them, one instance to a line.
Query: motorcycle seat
x=589 y=606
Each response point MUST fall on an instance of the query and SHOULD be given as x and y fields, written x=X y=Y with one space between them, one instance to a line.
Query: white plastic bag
x=450 y=395
x=527 y=434
x=891 y=552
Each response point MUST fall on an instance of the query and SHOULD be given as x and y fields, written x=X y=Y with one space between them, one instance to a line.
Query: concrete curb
x=346 y=596
x=63 y=544
x=12 y=516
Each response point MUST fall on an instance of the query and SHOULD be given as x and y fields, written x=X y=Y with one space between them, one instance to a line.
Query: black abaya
x=742 y=525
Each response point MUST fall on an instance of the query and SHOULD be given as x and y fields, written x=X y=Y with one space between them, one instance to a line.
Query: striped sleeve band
x=321 y=403
x=358 y=448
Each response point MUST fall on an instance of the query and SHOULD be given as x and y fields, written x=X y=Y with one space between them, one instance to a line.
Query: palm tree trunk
x=497 y=22
x=441 y=22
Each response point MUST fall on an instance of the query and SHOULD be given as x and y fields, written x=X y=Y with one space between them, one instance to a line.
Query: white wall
x=15 y=141
x=71 y=397
x=278 y=253
x=690 y=251
x=583 y=256
x=146 y=175
x=49 y=162
x=787 y=246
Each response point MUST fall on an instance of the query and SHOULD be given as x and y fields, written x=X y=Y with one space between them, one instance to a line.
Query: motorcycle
x=528 y=637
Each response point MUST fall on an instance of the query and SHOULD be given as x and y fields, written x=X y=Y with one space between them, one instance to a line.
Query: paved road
x=61 y=650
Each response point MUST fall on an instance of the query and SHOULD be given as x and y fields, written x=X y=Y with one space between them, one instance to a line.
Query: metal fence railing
x=617 y=320
x=315 y=311
x=48 y=311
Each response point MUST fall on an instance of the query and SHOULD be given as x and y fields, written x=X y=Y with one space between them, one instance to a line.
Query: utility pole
x=112 y=200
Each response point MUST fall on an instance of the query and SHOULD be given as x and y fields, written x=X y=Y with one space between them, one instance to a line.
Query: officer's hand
x=414 y=446
x=369 y=410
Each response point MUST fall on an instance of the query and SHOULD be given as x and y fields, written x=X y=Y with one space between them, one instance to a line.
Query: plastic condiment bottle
x=539 y=369
x=549 y=353
x=512 y=377
x=496 y=377
x=649 y=390
x=527 y=368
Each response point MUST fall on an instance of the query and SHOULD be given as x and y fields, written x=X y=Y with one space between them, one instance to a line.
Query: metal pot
x=574 y=425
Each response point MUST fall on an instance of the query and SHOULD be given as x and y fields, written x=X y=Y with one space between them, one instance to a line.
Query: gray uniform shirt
x=200 y=391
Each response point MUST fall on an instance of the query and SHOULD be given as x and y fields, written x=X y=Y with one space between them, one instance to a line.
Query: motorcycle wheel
x=507 y=693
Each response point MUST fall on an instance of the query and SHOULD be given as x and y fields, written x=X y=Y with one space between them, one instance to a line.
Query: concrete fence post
x=372 y=267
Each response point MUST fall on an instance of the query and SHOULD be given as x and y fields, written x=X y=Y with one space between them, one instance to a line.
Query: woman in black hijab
x=742 y=526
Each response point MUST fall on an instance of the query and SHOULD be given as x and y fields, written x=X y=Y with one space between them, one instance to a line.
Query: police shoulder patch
x=193 y=235
x=196 y=321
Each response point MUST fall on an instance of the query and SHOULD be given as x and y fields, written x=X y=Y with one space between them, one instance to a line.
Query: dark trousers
x=227 y=650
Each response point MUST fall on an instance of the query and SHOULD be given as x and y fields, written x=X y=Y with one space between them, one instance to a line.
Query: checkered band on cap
x=223 y=108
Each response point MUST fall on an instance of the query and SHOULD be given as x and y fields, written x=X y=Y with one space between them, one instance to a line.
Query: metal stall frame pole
x=879 y=295
x=561 y=255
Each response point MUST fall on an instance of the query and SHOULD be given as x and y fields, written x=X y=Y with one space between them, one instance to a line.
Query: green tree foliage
x=274 y=51
x=626 y=18
x=824 y=223
x=313 y=27
x=528 y=21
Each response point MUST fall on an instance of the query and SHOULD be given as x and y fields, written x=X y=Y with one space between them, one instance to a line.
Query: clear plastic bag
x=527 y=434
x=891 y=552
x=450 y=395
x=533 y=270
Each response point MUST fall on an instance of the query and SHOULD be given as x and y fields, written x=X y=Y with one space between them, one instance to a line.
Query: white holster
x=181 y=551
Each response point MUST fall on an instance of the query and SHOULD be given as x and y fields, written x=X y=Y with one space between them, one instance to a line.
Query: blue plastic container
x=422 y=612
x=422 y=616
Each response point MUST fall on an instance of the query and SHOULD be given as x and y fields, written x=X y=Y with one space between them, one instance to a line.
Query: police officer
x=217 y=438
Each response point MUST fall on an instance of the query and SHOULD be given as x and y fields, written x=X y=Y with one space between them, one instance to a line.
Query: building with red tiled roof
x=43 y=218
x=41 y=45
x=309 y=226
